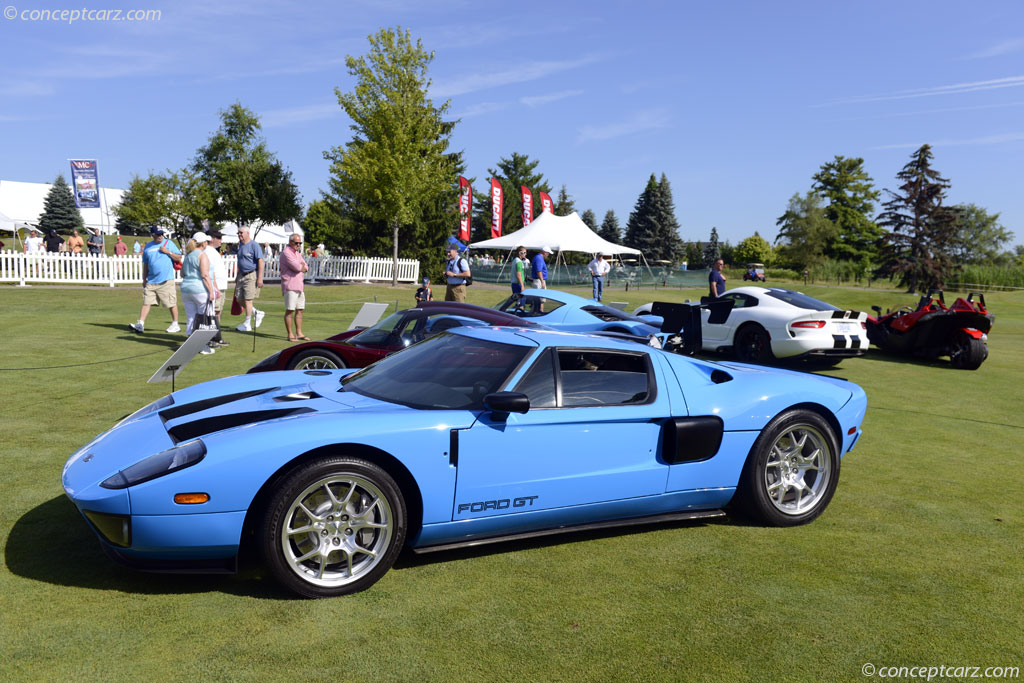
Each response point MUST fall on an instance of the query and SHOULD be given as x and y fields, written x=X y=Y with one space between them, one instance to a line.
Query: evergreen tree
x=564 y=205
x=640 y=231
x=804 y=232
x=652 y=227
x=512 y=173
x=848 y=189
x=712 y=250
x=694 y=255
x=922 y=230
x=590 y=220
x=59 y=210
x=664 y=214
x=609 y=229
x=396 y=169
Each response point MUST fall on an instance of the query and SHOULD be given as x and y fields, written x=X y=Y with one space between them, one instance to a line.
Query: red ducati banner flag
x=527 y=205
x=465 y=208
x=545 y=203
x=495 y=208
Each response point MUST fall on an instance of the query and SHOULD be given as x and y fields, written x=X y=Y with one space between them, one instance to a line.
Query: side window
x=741 y=300
x=539 y=383
x=594 y=378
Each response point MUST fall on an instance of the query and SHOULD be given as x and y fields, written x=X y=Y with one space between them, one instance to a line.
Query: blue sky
x=738 y=102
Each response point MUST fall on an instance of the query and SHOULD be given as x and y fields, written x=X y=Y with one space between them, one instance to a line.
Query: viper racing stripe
x=840 y=341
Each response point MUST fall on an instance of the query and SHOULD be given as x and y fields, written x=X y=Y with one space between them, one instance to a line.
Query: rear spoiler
x=685 y=320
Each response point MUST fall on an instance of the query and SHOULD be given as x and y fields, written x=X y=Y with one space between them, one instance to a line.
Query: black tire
x=316 y=359
x=796 y=453
x=348 y=523
x=966 y=352
x=753 y=345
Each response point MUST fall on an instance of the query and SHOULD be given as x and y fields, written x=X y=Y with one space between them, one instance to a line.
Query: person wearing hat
x=598 y=269
x=457 y=272
x=219 y=275
x=424 y=293
x=197 y=288
x=120 y=248
x=540 y=269
x=53 y=242
x=158 y=259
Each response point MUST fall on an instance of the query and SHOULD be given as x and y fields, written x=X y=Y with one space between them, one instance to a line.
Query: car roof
x=541 y=336
x=556 y=295
x=472 y=311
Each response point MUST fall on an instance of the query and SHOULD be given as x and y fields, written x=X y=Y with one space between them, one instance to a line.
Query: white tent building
x=21 y=204
x=266 y=234
x=559 y=233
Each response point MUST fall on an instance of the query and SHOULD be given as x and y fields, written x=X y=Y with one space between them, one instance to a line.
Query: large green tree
x=712 y=250
x=922 y=230
x=753 y=249
x=323 y=224
x=804 y=233
x=609 y=229
x=980 y=237
x=847 y=188
x=177 y=200
x=250 y=186
x=652 y=226
x=59 y=210
x=396 y=166
x=512 y=172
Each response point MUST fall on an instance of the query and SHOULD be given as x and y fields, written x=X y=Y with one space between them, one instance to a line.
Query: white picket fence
x=84 y=269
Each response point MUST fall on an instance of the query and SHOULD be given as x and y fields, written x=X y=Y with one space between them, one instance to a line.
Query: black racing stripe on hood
x=201 y=427
x=207 y=403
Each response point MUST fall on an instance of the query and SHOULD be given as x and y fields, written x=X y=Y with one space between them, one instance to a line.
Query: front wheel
x=334 y=527
x=753 y=345
x=966 y=352
x=316 y=359
x=792 y=470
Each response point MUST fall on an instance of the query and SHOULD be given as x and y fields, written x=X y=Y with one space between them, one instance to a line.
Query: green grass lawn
x=917 y=561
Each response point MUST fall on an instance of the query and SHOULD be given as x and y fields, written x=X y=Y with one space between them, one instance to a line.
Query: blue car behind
x=475 y=435
x=572 y=313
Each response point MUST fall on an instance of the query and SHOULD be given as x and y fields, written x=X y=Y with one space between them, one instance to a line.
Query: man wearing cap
x=158 y=259
x=457 y=271
x=250 y=277
x=598 y=269
x=219 y=275
x=53 y=242
x=540 y=269
x=424 y=293
x=120 y=248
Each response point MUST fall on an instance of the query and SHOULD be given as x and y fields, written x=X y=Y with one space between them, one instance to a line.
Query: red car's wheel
x=316 y=359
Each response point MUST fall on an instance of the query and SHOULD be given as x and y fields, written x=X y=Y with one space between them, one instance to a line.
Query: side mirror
x=507 y=402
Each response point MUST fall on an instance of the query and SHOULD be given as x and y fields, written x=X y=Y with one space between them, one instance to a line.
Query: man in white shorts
x=293 y=267
x=219 y=273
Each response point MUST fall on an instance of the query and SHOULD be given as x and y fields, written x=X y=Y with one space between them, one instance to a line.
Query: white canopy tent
x=266 y=234
x=21 y=205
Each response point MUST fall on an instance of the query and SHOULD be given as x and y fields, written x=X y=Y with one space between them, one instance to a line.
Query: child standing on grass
x=424 y=293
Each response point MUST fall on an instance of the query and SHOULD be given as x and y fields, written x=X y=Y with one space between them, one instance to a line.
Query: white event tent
x=264 y=234
x=21 y=204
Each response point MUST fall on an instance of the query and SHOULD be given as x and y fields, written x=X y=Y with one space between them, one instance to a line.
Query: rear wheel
x=966 y=352
x=753 y=345
x=334 y=527
x=316 y=359
x=792 y=470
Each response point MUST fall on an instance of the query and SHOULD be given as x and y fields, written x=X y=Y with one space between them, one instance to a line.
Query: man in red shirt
x=293 y=266
x=120 y=248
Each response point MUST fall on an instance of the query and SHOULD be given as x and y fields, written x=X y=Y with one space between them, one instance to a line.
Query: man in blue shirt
x=456 y=272
x=716 y=281
x=250 y=277
x=158 y=259
x=540 y=269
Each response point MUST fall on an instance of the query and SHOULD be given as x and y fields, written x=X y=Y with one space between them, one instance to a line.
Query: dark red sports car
x=359 y=348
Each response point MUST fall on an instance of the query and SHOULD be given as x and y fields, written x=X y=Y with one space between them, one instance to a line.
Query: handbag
x=205 y=319
x=236 y=307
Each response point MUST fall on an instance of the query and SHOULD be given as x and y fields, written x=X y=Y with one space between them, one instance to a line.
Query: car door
x=716 y=335
x=592 y=434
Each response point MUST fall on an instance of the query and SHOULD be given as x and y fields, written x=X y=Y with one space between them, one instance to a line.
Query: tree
x=804 y=232
x=564 y=205
x=59 y=210
x=609 y=229
x=590 y=219
x=249 y=185
x=712 y=250
x=396 y=165
x=694 y=254
x=753 y=249
x=848 y=189
x=922 y=230
x=652 y=227
x=512 y=173
x=323 y=225
x=980 y=237
x=179 y=201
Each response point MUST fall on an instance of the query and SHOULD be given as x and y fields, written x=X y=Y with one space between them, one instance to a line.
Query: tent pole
x=648 y=267
x=508 y=258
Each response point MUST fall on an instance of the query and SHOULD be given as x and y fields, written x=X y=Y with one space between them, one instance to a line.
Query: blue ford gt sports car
x=475 y=435
x=572 y=313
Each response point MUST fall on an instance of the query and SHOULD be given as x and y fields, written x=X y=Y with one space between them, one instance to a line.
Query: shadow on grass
x=906 y=359
x=152 y=338
x=53 y=544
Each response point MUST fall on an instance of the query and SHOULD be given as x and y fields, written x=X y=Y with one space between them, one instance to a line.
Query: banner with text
x=85 y=183
x=545 y=203
x=527 y=205
x=495 y=208
x=465 y=209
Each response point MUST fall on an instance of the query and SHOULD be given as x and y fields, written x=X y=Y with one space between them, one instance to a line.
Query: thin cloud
x=988 y=140
x=999 y=49
x=955 y=89
x=545 y=99
x=281 y=118
x=519 y=74
x=481 y=109
x=26 y=89
x=647 y=120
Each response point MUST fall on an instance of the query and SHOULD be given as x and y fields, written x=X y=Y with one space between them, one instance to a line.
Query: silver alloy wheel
x=337 y=530
x=316 y=362
x=798 y=469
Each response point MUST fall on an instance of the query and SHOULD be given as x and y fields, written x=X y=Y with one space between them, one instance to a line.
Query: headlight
x=172 y=460
x=152 y=407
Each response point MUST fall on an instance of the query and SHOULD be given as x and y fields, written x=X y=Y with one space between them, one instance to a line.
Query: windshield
x=379 y=333
x=609 y=314
x=528 y=305
x=801 y=300
x=448 y=371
